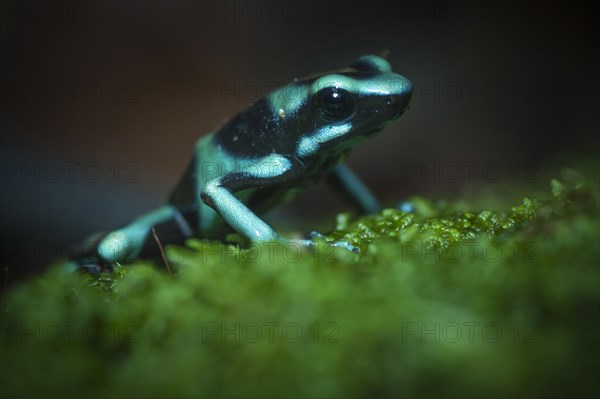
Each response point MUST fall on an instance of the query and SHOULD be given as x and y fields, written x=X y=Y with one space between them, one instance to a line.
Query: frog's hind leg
x=136 y=240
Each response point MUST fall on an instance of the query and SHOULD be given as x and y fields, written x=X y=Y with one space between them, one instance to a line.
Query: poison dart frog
x=265 y=156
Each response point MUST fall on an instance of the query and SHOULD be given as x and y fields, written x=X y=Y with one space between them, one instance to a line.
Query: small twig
x=162 y=251
x=5 y=286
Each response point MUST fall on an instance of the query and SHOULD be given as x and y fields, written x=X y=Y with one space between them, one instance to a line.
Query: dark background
x=102 y=102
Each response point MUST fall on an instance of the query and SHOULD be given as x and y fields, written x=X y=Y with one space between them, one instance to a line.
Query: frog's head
x=336 y=110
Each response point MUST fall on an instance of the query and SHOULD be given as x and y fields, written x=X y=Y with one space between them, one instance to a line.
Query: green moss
x=441 y=302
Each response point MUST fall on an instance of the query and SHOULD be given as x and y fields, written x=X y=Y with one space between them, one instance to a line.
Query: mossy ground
x=446 y=301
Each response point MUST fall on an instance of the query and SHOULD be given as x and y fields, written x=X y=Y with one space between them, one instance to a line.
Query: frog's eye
x=336 y=104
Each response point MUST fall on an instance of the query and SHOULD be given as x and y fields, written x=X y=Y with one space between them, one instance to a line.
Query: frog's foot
x=85 y=258
x=99 y=253
x=95 y=268
x=336 y=243
x=89 y=265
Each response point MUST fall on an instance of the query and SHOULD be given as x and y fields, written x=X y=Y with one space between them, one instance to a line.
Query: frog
x=265 y=156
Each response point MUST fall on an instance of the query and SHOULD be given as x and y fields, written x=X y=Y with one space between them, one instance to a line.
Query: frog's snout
x=401 y=99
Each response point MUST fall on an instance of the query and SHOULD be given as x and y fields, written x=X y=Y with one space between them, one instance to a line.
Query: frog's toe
x=336 y=243
x=87 y=265
x=345 y=245
x=90 y=268
x=405 y=206
x=315 y=234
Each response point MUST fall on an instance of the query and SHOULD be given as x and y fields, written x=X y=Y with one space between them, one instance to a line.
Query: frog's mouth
x=396 y=106
x=386 y=121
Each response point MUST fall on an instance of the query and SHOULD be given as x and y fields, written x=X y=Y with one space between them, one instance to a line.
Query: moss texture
x=446 y=301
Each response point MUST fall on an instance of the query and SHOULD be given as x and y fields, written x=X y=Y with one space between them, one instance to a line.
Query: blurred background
x=102 y=102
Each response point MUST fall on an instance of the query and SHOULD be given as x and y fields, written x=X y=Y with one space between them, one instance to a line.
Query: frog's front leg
x=218 y=193
x=356 y=192
x=344 y=181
